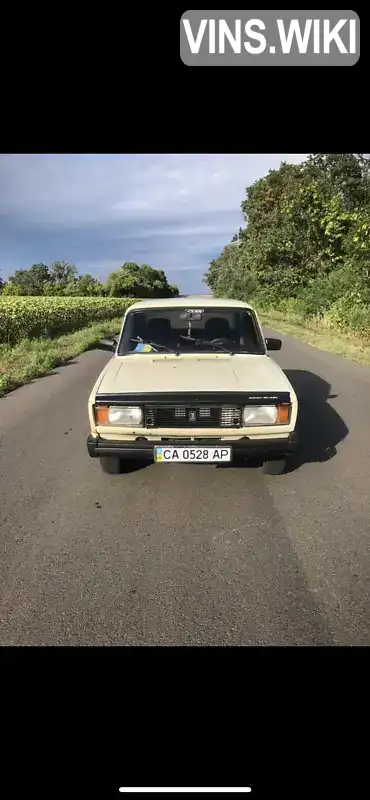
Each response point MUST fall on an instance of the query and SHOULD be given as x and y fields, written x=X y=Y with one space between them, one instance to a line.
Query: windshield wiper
x=213 y=343
x=153 y=344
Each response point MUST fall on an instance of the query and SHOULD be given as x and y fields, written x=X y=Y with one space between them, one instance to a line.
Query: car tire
x=111 y=464
x=274 y=467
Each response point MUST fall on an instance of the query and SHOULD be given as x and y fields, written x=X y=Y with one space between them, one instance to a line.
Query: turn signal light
x=101 y=415
x=283 y=414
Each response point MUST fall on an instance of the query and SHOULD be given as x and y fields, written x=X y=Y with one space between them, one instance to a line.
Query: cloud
x=173 y=211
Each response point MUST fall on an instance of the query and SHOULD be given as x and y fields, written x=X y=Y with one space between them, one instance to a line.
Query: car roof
x=193 y=301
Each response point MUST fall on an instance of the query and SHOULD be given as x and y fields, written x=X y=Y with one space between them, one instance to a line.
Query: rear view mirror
x=107 y=344
x=192 y=314
x=273 y=344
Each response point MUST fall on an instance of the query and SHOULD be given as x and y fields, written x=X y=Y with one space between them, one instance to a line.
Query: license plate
x=169 y=455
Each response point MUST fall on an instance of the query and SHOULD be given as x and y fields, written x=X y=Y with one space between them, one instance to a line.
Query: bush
x=350 y=315
x=34 y=317
x=295 y=308
x=290 y=306
x=320 y=294
x=331 y=298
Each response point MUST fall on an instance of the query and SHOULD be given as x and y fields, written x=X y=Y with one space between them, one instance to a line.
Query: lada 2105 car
x=191 y=380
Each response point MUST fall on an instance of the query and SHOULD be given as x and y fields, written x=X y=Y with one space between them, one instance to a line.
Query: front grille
x=190 y=416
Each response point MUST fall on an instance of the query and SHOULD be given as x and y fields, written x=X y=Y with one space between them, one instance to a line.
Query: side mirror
x=273 y=344
x=107 y=344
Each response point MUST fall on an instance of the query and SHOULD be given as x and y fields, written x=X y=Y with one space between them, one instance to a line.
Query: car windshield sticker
x=142 y=347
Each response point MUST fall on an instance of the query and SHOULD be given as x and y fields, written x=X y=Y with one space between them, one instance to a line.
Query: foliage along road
x=181 y=554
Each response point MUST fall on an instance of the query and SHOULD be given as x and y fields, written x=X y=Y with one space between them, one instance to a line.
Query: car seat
x=217 y=328
x=159 y=330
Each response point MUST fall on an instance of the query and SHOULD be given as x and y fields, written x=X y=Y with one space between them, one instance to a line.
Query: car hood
x=189 y=373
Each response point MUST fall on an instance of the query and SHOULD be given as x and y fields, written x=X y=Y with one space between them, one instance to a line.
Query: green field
x=47 y=317
x=38 y=334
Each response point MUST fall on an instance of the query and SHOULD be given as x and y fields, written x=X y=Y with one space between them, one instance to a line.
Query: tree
x=121 y=284
x=29 y=281
x=61 y=279
x=62 y=273
x=132 y=267
x=357 y=256
x=131 y=280
x=306 y=236
x=346 y=174
x=238 y=236
x=154 y=282
x=52 y=289
x=227 y=275
x=84 y=286
x=11 y=289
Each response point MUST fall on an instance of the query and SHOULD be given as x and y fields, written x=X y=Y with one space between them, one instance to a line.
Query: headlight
x=266 y=415
x=130 y=416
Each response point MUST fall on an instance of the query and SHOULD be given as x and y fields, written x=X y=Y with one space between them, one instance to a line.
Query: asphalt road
x=184 y=555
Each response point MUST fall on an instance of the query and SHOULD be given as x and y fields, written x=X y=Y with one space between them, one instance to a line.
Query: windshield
x=230 y=330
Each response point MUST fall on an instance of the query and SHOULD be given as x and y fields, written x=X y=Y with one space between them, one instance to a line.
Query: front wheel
x=111 y=464
x=275 y=467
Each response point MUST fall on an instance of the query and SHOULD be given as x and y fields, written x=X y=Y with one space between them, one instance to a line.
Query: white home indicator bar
x=186 y=789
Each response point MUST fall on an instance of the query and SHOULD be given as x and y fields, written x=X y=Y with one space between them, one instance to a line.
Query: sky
x=174 y=212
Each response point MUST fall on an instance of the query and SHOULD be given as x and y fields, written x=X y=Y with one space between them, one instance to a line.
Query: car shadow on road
x=319 y=427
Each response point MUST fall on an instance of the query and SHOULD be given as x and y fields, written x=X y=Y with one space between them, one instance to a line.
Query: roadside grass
x=315 y=333
x=33 y=358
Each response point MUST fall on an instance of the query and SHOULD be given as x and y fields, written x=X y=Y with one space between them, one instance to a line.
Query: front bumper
x=245 y=447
